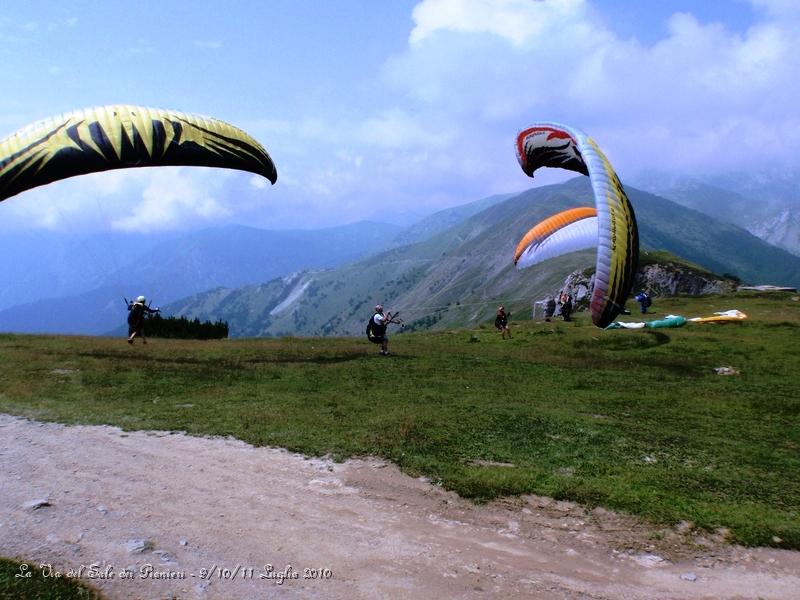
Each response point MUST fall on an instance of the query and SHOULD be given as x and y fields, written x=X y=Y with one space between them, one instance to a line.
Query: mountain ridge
x=455 y=277
x=170 y=267
x=765 y=205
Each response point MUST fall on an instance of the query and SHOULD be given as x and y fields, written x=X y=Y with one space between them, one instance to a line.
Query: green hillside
x=719 y=203
x=637 y=421
x=460 y=275
x=445 y=219
x=764 y=204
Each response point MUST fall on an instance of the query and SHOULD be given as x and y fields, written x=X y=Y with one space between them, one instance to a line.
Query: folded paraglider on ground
x=727 y=316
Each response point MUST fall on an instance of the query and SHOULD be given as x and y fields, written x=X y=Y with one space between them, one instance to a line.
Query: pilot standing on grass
x=136 y=313
x=501 y=322
x=376 y=329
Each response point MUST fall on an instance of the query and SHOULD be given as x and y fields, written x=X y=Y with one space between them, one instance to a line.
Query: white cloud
x=33 y=28
x=141 y=47
x=778 y=8
x=208 y=44
x=395 y=128
x=170 y=200
x=436 y=125
x=67 y=205
x=258 y=182
x=702 y=91
x=517 y=21
x=143 y=200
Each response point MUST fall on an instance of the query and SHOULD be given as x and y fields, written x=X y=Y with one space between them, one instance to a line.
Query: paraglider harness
x=377 y=333
x=137 y=311
x=501 y=320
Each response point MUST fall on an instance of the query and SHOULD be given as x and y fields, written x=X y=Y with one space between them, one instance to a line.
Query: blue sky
x=385 y=110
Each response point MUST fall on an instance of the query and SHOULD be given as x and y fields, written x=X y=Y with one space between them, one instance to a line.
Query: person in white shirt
x=376 y=330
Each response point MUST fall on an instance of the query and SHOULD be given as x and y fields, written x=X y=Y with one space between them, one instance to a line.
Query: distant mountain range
x=459 y=275
x=76 y=285
x=48 y=264
x=448 y=269
x=766 y=205
x=445 y=219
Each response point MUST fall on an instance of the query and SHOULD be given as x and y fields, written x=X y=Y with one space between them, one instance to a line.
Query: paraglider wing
x=568 y=231
x=123 y=136
x=554 y=145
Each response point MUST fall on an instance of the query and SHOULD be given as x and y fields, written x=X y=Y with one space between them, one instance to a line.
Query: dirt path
x=184 y=504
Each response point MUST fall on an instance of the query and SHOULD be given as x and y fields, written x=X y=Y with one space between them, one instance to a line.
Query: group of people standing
x=564 y=305
x=376 y=327
x=561 y=303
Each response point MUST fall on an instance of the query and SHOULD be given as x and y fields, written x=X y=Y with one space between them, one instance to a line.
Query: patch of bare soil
x=160 y=515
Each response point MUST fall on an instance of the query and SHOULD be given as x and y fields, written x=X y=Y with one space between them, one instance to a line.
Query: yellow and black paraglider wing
x=123 y=136
x=554 y=145
x=618 y=239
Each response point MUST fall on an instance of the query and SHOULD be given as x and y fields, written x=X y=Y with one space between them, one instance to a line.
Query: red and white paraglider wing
x=554 y=145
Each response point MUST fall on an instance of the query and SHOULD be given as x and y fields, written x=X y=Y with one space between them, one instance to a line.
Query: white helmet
x=140 y=299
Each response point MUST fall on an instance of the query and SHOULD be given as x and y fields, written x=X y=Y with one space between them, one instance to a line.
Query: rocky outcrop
x=672 y=279
x=579 y=285
x=662 y=279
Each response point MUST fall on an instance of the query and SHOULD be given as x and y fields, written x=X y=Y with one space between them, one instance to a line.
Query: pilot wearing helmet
x=501 y=322
x=376 y=329
x=136 y=313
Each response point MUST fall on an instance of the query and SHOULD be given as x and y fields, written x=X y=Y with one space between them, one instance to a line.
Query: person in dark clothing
x=136 y=317
x=566 y=305
x=643 y=298
x=501 y=322
x=549 y=308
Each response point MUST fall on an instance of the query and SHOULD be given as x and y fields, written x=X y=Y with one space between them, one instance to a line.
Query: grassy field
x=632 y=420
x=39 y=585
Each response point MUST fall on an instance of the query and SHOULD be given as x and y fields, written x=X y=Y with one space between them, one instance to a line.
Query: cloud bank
x=435 y=125
x=701 y=99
